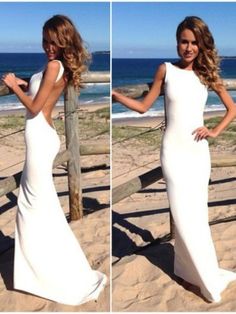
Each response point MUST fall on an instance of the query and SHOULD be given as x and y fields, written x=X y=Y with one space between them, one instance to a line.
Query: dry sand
x=142 y=271
x=93 y=231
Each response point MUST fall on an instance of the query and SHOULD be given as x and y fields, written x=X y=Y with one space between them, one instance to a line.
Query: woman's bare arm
x=146 y=103
x=230 y=106
x=35 y=105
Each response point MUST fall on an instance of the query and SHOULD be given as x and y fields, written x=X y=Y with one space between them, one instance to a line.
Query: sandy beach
x=143 y=278
x=93 y=231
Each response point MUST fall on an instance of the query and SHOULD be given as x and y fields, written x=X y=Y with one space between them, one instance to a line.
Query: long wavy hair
x=74 y=55
x=206 y=65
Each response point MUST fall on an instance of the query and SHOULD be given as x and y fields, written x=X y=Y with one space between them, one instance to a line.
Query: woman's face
x=51 y=49
x=188 y=46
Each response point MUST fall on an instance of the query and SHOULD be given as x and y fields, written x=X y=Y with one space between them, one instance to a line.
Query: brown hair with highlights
x=206 y=65
x=74 y=55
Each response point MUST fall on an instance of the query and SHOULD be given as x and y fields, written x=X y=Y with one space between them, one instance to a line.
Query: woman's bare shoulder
x=53 y=65
x=161 y=71
x=52 y=70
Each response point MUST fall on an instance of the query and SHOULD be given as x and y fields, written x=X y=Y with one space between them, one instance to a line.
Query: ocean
x=139 y=71
x=26 y=64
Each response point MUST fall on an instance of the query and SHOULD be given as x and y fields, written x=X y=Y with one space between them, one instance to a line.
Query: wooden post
x=72 y=144
x=136 y=184
x=94 y=149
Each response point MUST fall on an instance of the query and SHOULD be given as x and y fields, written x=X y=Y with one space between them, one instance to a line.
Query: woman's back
x=52 y=99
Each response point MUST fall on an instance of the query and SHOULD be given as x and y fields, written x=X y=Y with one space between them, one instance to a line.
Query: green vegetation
x=59 y=126
x=131 y=133
x=227 y=137
x=15 y=122
x=91 y=124
x=94 y=124
x=103 y=113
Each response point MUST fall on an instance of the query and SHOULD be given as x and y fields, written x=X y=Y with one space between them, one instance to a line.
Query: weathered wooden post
x=72 y=144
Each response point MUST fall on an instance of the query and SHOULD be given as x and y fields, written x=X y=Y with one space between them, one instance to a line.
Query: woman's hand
x=203 y=132
x=10 y=80
x=114 y=93
x=21 y=82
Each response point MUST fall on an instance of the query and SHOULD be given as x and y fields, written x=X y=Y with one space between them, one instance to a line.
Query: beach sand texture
x=93 y=231
x=143 y=278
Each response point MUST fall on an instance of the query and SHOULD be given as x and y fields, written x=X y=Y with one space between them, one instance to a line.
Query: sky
x=21 y=23
x=147 y=29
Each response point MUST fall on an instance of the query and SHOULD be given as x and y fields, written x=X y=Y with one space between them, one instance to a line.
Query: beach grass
x=133 y=134
x=227 y=138
x=140 y=134
x=12 y=122
x=91 y=124
x=103 y=113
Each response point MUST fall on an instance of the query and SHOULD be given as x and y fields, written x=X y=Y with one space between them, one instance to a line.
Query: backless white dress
x=186 y=167
x=48 y=261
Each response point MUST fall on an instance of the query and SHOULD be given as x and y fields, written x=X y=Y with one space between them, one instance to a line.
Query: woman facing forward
x=49 y=261
x=185 y=155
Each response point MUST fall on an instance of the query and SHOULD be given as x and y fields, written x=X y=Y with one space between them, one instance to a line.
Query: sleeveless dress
x=48 y=261
x=186 y=167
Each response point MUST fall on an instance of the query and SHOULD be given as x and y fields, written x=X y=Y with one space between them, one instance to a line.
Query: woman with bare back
x=49 y=261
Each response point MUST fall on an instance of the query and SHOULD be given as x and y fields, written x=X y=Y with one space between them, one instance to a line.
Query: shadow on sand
x=159 y=252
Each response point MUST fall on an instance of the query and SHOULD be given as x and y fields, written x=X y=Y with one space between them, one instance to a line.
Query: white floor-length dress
x=49 y=261
x=186 y=166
